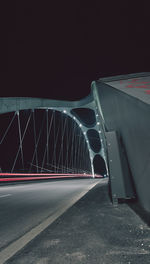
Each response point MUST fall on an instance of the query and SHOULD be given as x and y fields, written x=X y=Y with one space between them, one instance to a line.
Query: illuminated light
x=98 y=123
x=100 y=131
x=74 y=118
x=96 y=114
x=84 y=133
x=39 y=176
x=80 y=125
x=64 y=111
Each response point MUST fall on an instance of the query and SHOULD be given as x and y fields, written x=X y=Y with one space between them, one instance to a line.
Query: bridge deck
x=92 y=231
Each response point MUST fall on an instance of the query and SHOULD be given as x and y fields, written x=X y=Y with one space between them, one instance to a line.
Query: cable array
x=47 y=141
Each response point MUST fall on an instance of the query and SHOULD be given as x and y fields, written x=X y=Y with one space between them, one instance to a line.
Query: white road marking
x=14 y=247
x=5 y=195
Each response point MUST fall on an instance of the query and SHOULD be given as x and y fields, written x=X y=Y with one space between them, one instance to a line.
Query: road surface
x=25 y=206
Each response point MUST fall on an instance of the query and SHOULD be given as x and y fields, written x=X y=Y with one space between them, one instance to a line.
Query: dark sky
x=56 y=50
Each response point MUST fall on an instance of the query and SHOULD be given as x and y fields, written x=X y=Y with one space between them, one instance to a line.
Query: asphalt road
x=24 y=206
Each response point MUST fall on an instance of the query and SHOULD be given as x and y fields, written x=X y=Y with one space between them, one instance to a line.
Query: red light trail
x=4 y=177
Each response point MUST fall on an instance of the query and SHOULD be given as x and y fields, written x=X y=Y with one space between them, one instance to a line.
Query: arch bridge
x=52 y=137
x=104 y=134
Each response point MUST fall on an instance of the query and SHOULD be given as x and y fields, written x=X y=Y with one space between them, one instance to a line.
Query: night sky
x=56 y=50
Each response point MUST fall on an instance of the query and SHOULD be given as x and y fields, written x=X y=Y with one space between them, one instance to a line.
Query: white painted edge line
x=5 y=195
x=14 y=247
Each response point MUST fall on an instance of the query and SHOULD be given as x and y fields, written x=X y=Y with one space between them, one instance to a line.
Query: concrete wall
x=130 y=117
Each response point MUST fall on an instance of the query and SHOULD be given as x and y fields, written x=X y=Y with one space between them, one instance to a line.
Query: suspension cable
x=68 y=145
x=8 y=128
x=79 y=151
x=71 y=165
x=76 y=147
x=54 y=151
x=48 y=134
x=35 y=150
x=61 y=143
x=20 y=139
x=34 y=129
x=83 y=154
x=54 y=135
x=47 y=138
x=21 y=143
x=42 y=168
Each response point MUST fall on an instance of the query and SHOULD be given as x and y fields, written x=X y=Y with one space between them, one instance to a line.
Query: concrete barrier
x=125 y=104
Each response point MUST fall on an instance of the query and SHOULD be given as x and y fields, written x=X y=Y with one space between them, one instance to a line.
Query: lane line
x=14 y=247
x=5 y=195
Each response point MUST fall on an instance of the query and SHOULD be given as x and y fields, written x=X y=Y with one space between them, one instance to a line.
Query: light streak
x=4 y=177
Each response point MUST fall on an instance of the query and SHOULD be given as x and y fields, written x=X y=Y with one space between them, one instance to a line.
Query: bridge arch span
x=17 y=104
